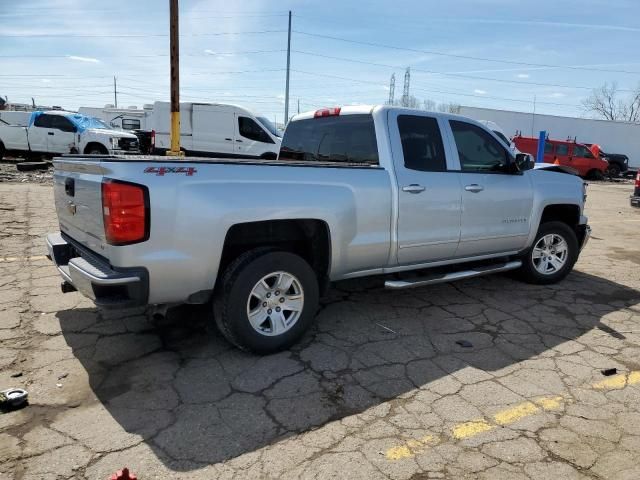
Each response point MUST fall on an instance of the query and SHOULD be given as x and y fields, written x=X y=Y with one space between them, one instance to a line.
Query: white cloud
x=557 y=95
x=523 y=75
x=480 y=92
x=45 y=80
x=83 y=59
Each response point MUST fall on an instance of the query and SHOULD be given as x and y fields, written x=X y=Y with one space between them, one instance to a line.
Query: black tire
x=613 y=170
x=1 y=151
x=528 y=271
x=595 y=175
x=234 y=293
x=97 y=150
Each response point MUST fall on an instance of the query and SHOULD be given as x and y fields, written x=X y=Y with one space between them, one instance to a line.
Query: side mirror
x=523 y=162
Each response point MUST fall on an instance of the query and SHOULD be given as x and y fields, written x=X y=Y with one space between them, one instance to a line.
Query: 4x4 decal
x=161 y=171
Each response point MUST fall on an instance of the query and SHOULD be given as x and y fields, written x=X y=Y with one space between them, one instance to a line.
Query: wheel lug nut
x=269 y=311
x=277 y=292
x=277 y=309
x=281 y=299
x=268 y=295
x=264 y=304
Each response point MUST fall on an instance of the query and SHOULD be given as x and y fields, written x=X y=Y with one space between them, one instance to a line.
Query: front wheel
x=613 y=170
x=554 y=252
x=266 y=300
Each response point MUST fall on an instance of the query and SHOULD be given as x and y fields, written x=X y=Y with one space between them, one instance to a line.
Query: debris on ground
x=386 y=328
x=16 y=375
x=13 y=398
x=123 y=475
x=9 y=173
x=465 y=343
x=607 y=372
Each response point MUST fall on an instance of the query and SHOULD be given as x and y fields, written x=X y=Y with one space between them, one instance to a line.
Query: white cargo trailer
x=613 y=137
x=131 y=118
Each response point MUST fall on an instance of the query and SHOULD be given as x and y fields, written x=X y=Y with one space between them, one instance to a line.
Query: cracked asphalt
x=379 y=388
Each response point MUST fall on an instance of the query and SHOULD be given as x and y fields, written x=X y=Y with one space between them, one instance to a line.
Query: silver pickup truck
x=355 y=192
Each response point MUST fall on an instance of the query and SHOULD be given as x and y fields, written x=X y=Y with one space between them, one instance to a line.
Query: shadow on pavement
x=196 y=400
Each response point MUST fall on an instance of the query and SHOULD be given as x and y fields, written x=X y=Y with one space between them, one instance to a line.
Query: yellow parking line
x=508 y=416
x=21 y=259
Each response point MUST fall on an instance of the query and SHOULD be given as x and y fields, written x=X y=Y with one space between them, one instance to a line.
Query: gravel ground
x=9 y=173
x=379 y=388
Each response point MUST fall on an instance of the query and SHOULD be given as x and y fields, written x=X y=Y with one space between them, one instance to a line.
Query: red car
x=570 y=154
x=635 y=198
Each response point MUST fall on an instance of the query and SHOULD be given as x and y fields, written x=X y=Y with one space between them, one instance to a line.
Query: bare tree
x=429 y=105
x=449 y=108
x=605 y=102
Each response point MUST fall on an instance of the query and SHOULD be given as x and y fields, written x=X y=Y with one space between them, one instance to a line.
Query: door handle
x=228 y=139
x=50 y=133
x=413 y=188
x=474 y=187
x=239 y=141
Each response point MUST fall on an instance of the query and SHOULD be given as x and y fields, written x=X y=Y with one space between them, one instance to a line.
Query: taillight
x=638 y=180
x=125 y=209
x=153 y=139
x=327 y=112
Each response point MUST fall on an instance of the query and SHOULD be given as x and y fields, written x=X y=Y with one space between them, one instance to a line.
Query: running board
x=452 y=276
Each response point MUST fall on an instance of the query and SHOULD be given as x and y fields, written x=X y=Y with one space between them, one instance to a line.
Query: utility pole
x=405 y=91
x=298 y=105
x=533 y=117
x=392 y=89
x=286 y=92
x=175 y=78
x=115 y=92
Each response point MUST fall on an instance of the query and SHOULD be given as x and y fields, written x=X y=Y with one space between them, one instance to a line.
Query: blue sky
x=66 y=52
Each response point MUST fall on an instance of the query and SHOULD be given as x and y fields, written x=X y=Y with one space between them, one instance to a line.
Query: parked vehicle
x=635 y=198
x=131 y=119
x=355 y=192
x=618 y=163
x=15 y=118
x=568 y=153
x=612 y=136
x=56 y=132
x=217 y=130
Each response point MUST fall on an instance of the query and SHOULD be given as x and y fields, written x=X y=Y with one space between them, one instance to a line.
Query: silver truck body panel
x=376 y=224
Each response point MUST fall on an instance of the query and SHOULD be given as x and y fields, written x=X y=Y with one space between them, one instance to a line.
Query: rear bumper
x=92 y=276
x=635 y=200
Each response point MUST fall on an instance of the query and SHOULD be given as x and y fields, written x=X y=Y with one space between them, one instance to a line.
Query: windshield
x=83 y=122
x=266 y=123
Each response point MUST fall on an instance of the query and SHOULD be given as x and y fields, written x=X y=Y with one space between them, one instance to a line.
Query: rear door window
x=562 y=149
x=341 y=139
x=248 y=128
x=422 y=146
x=548 y=147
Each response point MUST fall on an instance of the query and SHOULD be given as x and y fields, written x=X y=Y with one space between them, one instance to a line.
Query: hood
x=110 y=133
x=555 y=168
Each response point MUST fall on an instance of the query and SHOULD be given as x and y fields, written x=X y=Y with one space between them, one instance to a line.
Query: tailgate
x=78 y=198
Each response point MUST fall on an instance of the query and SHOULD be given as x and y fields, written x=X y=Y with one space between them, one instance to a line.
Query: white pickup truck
x=58 y=132
x=355 y=192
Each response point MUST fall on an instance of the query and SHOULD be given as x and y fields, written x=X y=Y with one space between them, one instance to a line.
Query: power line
x=464 y=57
x=458 y=75
x=150 y=55
x=131 y=35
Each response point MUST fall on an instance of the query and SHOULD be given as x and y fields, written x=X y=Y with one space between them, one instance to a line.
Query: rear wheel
x=554 y=252
x=595 y=175
x=613 y=170
x=1 y=151
x=266 y=300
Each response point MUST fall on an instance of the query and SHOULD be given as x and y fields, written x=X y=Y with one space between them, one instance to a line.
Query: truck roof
x=369 y=109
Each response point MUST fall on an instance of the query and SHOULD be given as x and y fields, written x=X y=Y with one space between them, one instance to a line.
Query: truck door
x=251 y=138
x=61 y=136
x=39 y=132
x=583 y=160
x=496 y=205
x=213 y=130
x=429 y=196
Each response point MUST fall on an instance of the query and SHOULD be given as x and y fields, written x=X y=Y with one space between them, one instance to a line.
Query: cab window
x=477 y=149
x=548 y=148
x=248 y=128
x=422 y=146
x=43 y=121
x=582 y=151
x=61 y=123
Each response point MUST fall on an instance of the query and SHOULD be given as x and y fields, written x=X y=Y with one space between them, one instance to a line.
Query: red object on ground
x=123 y=475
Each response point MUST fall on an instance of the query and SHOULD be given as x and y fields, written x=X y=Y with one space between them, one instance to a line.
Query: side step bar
x=452 y=276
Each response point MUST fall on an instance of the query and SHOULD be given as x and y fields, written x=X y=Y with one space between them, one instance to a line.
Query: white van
x=216 y=129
